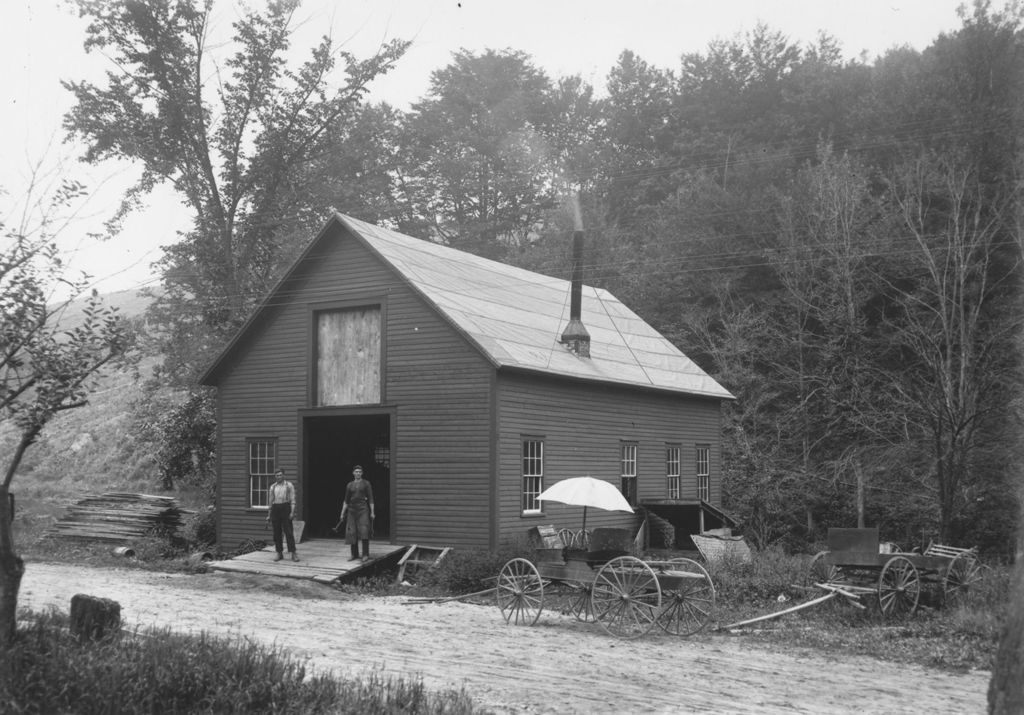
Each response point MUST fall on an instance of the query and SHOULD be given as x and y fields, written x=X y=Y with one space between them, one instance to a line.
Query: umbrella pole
x=584 y=519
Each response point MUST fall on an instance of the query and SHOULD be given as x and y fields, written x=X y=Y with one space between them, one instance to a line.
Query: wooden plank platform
x=322 y=560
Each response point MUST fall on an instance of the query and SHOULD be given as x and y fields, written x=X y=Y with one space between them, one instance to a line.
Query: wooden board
x=322 y=560
x=545 y=537
x=417 y=557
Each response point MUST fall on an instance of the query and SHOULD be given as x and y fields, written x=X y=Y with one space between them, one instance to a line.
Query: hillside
x=129 y=303
x=90 y=448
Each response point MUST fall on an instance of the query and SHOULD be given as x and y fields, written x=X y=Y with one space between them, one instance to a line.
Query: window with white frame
x=533 y=474
x=262 y=465
x=703 y=471
x=628 y=471
x=672 y=470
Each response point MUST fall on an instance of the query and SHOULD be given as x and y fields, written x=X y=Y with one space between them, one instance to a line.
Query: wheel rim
x=963 y=573
x=626 y=597
x=520 y=592
x=687 y=606
x=899 y=587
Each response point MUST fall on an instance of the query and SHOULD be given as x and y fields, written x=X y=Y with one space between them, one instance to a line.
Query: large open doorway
x=333 y=445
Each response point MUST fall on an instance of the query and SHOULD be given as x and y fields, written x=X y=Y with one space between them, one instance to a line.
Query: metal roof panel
x=516 y=317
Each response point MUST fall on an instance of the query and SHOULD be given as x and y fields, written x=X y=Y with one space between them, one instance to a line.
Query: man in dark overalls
x=358 y=506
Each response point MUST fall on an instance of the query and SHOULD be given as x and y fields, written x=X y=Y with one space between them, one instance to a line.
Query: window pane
x=533 y=474
x=703 y=453
x=628 y=472
x=672 y=471
x=262 y=465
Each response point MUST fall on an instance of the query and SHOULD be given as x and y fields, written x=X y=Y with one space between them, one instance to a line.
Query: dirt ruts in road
x=556 y=666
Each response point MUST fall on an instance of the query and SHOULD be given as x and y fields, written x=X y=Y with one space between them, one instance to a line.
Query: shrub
x=46 y=670
x=462 y=572
x=200 y=529
x=771 y=574
x=155 y=548
x=180 y=432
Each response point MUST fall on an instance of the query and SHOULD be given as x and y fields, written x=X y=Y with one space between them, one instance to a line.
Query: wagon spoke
x=581 y=604
x=821 y=572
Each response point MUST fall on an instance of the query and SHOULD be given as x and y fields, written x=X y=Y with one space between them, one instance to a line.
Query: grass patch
x=470 y=571
x=47 y=670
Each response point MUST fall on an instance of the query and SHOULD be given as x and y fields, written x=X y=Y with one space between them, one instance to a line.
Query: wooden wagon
x=625 y=595
x=858 y=563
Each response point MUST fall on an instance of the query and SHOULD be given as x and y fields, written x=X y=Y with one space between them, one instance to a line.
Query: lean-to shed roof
x=515 y=317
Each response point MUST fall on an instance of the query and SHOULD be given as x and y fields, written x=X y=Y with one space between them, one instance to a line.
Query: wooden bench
x=947 y=552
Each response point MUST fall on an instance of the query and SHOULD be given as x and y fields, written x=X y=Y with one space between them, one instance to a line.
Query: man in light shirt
x=282 y=509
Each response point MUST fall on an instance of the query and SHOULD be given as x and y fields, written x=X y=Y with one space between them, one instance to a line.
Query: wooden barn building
x=459 y=385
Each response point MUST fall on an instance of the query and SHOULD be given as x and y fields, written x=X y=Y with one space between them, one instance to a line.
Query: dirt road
x=556 y=666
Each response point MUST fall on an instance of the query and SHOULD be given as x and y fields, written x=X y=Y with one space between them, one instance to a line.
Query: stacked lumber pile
x=119 y=517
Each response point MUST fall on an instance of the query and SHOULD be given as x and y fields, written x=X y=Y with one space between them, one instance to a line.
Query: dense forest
x=838 y=242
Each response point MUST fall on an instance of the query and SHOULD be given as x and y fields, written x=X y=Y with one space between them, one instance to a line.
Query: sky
x=41 y=44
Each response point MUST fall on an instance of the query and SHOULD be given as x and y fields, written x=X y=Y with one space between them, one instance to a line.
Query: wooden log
x=794 y=609
x=853 y=598
x=93 y=618
x=446 y=599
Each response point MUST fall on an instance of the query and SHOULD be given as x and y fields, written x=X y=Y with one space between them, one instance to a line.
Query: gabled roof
x=515 y=317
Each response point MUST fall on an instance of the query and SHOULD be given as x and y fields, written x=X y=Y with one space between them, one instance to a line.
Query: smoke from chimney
x=575 y=335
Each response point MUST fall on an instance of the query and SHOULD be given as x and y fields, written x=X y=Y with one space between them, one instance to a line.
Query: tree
x=44 y=370
x=240 y=154
x=1006 y=687
x=480 y=152
x=957 y=292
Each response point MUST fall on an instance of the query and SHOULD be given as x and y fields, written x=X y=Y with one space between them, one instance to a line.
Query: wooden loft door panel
x=348 y=356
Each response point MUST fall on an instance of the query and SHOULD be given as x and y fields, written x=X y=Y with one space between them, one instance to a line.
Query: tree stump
x=93 y=618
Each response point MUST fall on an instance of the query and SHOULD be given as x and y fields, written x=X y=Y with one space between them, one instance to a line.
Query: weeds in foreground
x=46 y=670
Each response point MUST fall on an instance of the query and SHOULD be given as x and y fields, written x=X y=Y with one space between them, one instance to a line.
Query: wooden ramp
x=323 y=560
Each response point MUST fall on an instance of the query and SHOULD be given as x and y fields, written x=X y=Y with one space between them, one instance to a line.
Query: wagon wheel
x=899 y=587
x=686 y=606
x=963 y=574
x=821 y=572
x=626 y=597
x=581 y=605
x=520 y=592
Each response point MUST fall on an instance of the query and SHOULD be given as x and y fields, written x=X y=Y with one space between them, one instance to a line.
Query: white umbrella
x=586 y=492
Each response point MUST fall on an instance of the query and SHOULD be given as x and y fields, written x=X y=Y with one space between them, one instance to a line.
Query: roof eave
x=211 y=375
x=616 y=383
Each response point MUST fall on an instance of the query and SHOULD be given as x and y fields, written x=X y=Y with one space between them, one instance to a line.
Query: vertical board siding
x=583 y=427
x=436 y=381
x=348 y=357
